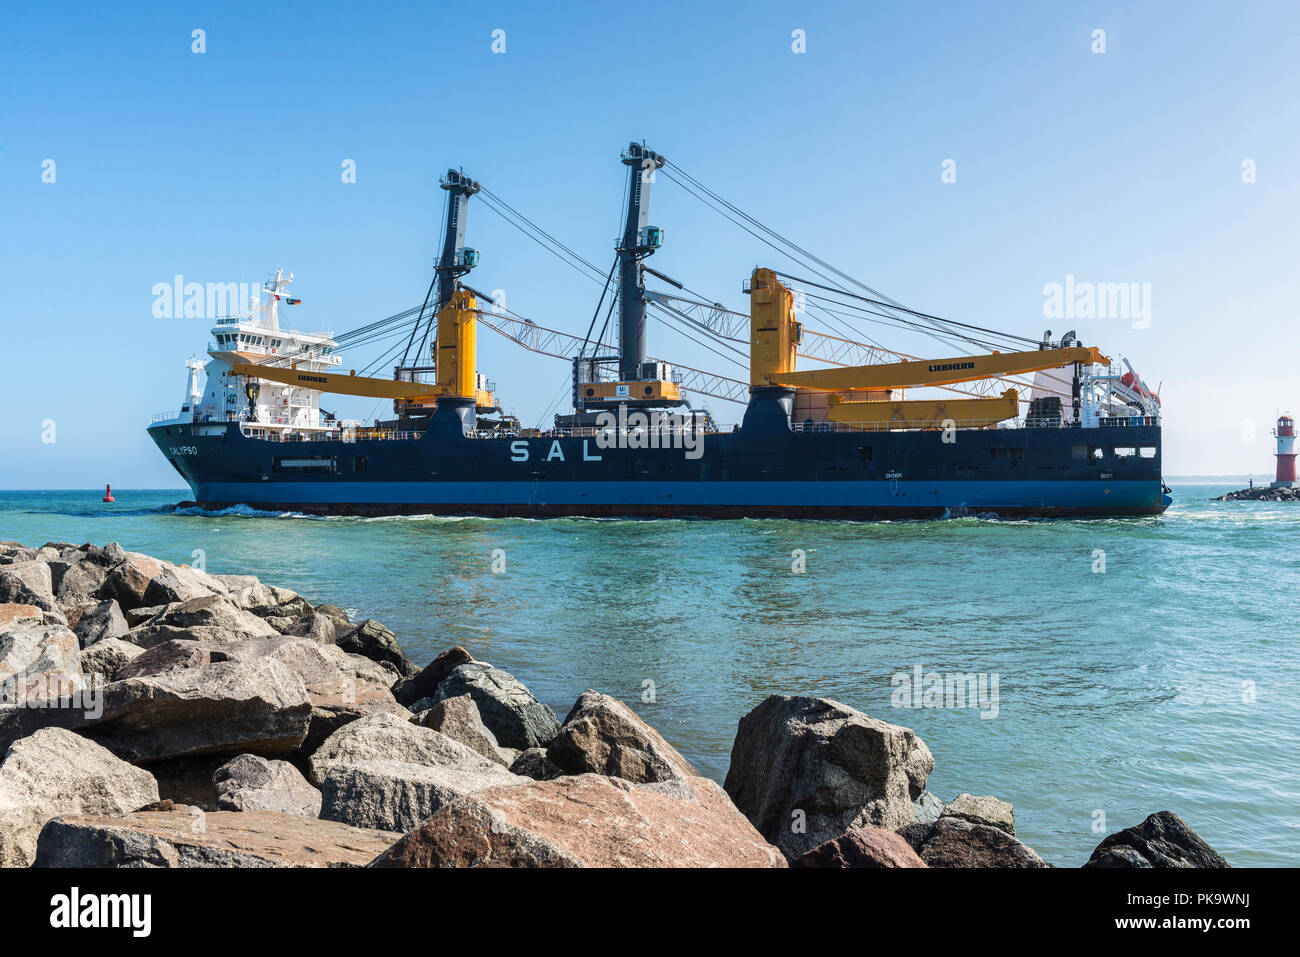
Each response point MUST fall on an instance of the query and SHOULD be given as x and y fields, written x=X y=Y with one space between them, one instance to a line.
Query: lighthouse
x=1285 y=433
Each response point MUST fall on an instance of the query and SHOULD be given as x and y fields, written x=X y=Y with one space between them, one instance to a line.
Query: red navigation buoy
x=108 y=493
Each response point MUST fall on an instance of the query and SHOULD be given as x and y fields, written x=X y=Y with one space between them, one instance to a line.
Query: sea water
x=1115 y=667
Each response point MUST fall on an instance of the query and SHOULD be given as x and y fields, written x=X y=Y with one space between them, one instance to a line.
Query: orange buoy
x=108 y=493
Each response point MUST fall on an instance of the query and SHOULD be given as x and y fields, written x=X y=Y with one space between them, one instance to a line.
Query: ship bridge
x=265 y=409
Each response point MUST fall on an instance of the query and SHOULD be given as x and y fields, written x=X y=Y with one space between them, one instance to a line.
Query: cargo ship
x=845 y=438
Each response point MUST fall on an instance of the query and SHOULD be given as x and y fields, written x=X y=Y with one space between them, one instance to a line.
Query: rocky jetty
x=862 y=847
x=1262 y=493
x=1162 y=840
x=806 y=770
x=153 y=715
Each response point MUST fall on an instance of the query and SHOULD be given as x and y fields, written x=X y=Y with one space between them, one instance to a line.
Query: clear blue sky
x=1115 y=167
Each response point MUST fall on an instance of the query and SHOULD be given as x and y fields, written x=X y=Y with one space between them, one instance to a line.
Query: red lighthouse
x=1285 y=433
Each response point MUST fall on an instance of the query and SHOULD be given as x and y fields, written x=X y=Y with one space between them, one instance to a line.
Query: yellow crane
x=774 y=342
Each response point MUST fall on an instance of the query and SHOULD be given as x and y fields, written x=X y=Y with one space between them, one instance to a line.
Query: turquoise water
x=1121 y=691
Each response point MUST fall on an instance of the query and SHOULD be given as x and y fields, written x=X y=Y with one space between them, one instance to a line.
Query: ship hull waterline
x=1013 y=473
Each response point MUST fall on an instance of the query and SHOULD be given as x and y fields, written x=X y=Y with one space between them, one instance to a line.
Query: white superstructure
x=1107 y=395
x=262 y=407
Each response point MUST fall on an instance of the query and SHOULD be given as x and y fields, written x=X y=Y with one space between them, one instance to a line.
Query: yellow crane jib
x=337 y=383
x=924 y=372
x=924 y=413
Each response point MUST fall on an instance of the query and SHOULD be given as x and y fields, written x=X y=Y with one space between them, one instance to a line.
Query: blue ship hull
x=752 y=472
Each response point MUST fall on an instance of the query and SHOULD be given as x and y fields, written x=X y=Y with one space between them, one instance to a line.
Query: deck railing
x=372 y=434
x=589 y=432
x=890 y=426
x=1115 y=422
x=328 y=435
x=1131 y=421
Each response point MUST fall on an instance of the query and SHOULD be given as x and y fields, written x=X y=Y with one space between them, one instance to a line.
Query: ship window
x=1148 y=451
x=1017 y=453
x=996 y=454
x=1094 y=451
x=1078 y=451
x=864 y=453
x=360 y=463
x=1123 y=451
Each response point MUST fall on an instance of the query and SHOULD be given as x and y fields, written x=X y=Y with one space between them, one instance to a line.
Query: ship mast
x=456 y=259
x=639 y=383
x=275 y=287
